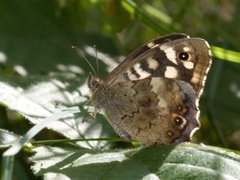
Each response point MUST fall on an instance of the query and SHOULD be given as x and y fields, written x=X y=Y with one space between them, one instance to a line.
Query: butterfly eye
x=183 y=56
x=93 y=82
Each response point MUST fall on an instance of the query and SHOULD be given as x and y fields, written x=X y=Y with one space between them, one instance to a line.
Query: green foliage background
x=37 y=36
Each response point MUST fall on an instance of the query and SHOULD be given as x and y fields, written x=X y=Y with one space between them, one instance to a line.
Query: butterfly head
x=94 y=82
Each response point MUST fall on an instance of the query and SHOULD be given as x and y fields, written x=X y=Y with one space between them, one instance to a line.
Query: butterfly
x=153 y=95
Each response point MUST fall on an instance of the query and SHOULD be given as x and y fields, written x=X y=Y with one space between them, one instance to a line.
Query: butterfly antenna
x=94 y=46
x=80 y=52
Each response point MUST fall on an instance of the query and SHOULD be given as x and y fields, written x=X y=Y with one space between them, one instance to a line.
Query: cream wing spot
x=196 y=78
x=186 y=49
x=152 y=63
x=188 y=64
x=171 y=72
x=170 y=53
x=131 y=76
x=140 y=71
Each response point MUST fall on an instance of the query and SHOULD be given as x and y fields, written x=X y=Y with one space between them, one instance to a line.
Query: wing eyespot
x=178 y=121
x=184 y=56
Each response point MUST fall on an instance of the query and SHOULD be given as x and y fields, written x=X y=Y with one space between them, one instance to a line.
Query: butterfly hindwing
x=153 y=110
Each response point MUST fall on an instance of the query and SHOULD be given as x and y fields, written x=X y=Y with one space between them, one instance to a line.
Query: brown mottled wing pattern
x=153 y=95
x=152 y=110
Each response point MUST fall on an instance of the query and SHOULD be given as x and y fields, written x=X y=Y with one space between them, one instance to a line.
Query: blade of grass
x=134 y=9
x=226 y=54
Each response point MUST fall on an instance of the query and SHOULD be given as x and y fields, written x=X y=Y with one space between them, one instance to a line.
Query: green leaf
x=185 y=161
x=36 y=98
x=7 y=138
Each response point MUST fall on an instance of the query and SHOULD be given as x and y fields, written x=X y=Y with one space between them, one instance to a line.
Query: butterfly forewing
x=187 y=60
x=119 y=73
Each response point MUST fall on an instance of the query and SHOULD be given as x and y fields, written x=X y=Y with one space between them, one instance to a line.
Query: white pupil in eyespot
x=183 y=55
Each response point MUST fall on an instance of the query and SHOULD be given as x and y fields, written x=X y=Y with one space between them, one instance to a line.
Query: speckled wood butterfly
x=153 y=95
